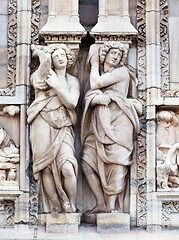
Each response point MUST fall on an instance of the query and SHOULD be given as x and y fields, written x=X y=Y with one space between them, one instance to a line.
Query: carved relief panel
x=167 y=150
x=8 y=48
x=9 y=148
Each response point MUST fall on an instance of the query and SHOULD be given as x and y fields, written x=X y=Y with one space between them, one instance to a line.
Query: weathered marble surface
x=9 y=161
x=109 y=122
x=52 y=116
x=167 y=150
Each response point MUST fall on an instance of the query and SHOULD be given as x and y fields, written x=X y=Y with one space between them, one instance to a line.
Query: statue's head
x=167 y=117
x=113 y=53
x=62 y=56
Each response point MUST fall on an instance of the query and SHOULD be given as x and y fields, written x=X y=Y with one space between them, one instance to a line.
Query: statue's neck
x=61 y=72
x=108 y=68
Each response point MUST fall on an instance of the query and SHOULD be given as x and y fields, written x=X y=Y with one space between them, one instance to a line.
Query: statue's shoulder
x=72 y=79
x=122 y=72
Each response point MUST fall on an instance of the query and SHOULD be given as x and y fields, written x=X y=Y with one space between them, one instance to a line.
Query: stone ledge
x=64 y=223
x=62 y=229
x=63 y=218
x=113 y=222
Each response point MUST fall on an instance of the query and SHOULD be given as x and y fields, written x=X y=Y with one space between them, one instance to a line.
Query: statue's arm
x=68 y=93
x=107 y=79
x=69 y=96
x=101 y=99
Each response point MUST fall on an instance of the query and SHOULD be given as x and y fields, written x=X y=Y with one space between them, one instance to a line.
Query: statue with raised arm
x=109 y=123
x=52 y=116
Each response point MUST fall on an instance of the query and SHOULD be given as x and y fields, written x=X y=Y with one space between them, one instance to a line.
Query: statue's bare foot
x=115 y=211
x=55 y=213
x=98 y=209
x=73 y=207
x=66 y=207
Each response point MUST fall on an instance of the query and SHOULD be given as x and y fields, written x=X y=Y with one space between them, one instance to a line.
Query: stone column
x=153 y=89
x=63 y=18
x=102 y=10
x=113 y=12
x=74 y=11
x=22 y=82
x=125 y=11
x=52 y=9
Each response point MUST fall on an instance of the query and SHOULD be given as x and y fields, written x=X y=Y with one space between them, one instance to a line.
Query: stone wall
x=153 y=55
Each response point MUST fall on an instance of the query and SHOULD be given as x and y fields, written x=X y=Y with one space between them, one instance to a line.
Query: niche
x=88 y=11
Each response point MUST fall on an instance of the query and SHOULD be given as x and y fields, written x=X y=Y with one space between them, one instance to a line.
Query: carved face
x=59 y=59
x=113 y=57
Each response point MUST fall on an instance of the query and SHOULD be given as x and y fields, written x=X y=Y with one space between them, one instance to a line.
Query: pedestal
x=64 y=223
x=113 y=222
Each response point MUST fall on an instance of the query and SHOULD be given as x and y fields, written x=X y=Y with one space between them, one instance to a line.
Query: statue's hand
x=101 y=99
x=41 y=52
x=93 y=55
x=52 y=79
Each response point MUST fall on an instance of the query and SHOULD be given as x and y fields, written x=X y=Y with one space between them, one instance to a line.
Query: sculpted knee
x=67 y=169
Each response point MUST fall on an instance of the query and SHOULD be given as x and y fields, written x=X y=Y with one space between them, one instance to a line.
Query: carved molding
x=164 y=44
x=33 y=200
x=12 y=42
x=33 y=187
x=7 y=207
x=170 y=93
x=35 y=21
x=7 y=91
x=141 y=44
x=122 y=38
x=168 y=207
x=141 y=167
x=141 y=139
x=141 y=21
x=61 y=38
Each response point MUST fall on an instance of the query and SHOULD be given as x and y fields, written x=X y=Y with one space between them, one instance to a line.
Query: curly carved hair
x=69 y=53
x=167 y=116
x=116 y=45
x=53 y=47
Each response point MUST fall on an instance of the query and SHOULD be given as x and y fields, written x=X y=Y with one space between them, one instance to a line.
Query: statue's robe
x=52 y=138
x=107 y=136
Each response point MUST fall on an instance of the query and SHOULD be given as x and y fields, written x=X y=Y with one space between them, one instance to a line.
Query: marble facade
x=148 y=29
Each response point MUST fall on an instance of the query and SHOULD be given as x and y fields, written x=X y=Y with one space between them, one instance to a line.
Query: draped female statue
x=52 y=115
x=109 y=123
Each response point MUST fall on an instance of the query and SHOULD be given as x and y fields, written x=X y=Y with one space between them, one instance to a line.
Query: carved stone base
x=64 y=223
x=113 y=222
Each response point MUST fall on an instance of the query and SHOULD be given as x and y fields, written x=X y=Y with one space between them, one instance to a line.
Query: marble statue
x=52 y=116
x=167 y=143
x=109 y=123
x=9 y=157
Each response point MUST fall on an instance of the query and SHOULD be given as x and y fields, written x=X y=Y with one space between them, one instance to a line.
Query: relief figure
x=167 y=142
x=9 y=157
x=110 y=121
x=52 y=116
